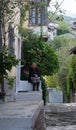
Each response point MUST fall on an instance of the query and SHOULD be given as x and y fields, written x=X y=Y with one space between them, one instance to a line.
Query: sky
x=69 y=6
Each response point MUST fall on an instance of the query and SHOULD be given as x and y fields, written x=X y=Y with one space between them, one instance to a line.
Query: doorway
x=21 y=85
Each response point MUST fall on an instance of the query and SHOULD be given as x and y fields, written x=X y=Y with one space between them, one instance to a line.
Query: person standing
x=34 y=76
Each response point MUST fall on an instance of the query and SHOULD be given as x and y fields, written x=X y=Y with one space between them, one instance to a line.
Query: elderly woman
x=34 y=76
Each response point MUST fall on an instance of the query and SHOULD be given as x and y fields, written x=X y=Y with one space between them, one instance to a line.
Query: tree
x=7 y=61
x=62 y=44
x=63 y=27
x=55 y=11
x=71 y=77
x=63 y=40
x=36 y=50
x=56 y=14
x=51 y=81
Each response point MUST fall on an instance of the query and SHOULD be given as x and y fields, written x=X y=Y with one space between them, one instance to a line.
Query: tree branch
x=57 y=8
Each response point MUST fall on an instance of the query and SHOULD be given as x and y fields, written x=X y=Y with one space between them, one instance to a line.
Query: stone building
x=38 y=17
x=11 y=32
x=12 y=39
x=37 y=20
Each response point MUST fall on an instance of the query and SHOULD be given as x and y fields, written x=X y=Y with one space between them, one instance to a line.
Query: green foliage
x=10 y=82
x=59 y=41
x=36 y=50
x=51 y=81
x=55 y=17
x=63 y=41
x=24 y=76
x=62 y=81
x=71 y=78
x=7 y=8
x=23 y=9
x=44 y=90
x=62 y=44
x=55 y=12
x=63 y=27
x=7 y=61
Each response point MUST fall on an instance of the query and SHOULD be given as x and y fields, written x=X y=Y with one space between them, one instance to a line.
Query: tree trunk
x=3 y=42
x=0 y=37
x=2 y=89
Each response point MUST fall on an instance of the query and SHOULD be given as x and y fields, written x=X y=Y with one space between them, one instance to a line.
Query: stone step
x=29 y=96
x=60 y=107
x=60 y=116
x=70 y=127
x=21 y=115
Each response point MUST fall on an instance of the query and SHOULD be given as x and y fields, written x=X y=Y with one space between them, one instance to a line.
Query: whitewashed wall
x=55 y=96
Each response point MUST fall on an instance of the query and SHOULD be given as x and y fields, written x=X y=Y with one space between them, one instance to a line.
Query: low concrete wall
x=38 y=118
x=55 y=96
x=10 y=93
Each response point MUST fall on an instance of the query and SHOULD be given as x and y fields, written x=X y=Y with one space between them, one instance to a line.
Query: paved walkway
x=70 y=127
x=18 y=109
x=61 y=116
x=23 y=113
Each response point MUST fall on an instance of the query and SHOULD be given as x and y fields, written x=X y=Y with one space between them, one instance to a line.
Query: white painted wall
x=55 y=96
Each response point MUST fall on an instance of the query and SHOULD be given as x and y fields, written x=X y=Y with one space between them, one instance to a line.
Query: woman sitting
x=34 y=76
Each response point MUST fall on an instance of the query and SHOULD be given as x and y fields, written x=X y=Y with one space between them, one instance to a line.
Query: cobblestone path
x=60 y=116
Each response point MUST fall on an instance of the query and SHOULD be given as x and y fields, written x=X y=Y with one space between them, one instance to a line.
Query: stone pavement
x=23 y=114
x=60 y=116
x=70 y=127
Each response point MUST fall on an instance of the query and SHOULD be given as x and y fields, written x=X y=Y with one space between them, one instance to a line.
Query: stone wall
x=40 y=121
x=10 y=93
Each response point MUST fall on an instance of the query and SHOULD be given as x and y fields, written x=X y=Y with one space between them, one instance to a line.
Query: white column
x=18 y=55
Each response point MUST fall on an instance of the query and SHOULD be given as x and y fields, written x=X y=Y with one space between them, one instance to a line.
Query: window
x=37 y=12
x=11 y=38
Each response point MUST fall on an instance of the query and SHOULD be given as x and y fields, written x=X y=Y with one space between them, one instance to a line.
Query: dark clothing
x=32 y=73
x=34 y=78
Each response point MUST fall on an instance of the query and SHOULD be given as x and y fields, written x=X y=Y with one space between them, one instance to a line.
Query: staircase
x=28 y=96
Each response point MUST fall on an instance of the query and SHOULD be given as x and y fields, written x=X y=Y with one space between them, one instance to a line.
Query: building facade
x=37 y=20
x=38 y=17
x=12 y=39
